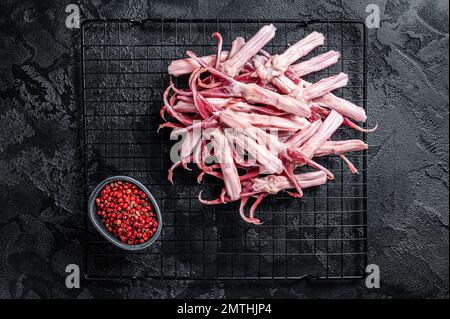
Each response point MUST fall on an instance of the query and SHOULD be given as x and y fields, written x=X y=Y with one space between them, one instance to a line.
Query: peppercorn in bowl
x=125 y=213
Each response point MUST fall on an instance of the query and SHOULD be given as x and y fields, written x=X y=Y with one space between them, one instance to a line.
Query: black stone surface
x=41 y=225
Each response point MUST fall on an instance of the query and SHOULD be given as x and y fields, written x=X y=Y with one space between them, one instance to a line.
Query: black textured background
x=41 y=209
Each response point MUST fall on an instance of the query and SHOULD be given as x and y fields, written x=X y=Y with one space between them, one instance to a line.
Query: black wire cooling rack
x=124 y=71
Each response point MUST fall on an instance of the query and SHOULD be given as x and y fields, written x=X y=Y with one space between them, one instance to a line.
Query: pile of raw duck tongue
x=255 y=115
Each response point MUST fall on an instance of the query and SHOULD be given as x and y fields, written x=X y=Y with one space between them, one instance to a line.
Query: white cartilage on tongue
x=342 y=106
x=223 y=153
x=189 y=65
x=279 y=63
x=237 y=44
x=296 y=51
x=339 y=147
x=328 y=127
x=316 y=63
x=273 y=184
x=325 y=86
x=233 y=65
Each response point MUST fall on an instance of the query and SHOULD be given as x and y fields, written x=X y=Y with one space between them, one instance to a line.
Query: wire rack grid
x=124 y=72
